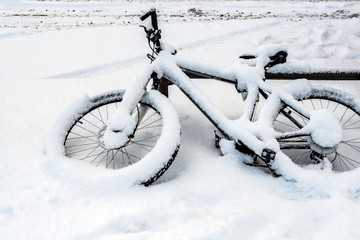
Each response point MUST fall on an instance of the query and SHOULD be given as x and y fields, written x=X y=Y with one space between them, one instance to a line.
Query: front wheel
x=150 y=151
x=346 y=108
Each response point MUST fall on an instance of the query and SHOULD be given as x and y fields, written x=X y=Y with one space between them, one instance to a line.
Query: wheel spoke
x=83 y=140
x=101 y=118
x=350 y=160
x=97 y=155
x=312 y=103
x=142 y=127
x=301 y=116
x=350 y=122
x=105 y=155
x=128 y=156
x=286 y=124
x=82 y=150
x=113 y=157
x=343 y=115
x=143 y=121
x=142 y=145
x=347 y=127
x=149 y=127
x=98 y=127
x=345 y=161
x=83 y=137
x=357 y=148
x=304 y=153
x=85 y=129
x=353 y=140
x=97 y=118
x=146 y=139
x=107 y=112
x=338 y=104
x=80 y=145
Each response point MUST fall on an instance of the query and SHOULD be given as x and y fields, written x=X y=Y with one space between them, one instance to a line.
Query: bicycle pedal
x=268 y=155
x=317 y=157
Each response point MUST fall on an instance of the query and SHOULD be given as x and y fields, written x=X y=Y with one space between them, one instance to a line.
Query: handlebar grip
x=151 y=13
x=146 y=15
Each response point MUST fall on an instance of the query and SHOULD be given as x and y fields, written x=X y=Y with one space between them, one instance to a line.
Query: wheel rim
x=85 y=139
x=344 y=158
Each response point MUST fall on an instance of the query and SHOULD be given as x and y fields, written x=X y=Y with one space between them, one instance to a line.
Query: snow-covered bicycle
x=138 y=130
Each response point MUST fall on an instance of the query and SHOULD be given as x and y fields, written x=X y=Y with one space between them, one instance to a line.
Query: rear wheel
x=346 y=109
x=84 y=139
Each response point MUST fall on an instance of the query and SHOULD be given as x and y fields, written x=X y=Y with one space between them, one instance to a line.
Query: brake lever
x=152 y=14
x=148 y=32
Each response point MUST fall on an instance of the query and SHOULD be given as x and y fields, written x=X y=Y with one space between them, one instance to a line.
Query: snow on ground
x=53 y=52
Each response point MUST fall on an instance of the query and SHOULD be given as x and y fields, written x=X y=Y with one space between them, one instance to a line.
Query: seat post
x=162 y=85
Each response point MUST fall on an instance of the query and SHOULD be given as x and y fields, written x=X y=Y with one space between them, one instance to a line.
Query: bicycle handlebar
x=154 y=21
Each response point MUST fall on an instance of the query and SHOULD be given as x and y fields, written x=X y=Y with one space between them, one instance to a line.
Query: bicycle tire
x=156 y=130
x=346 y=109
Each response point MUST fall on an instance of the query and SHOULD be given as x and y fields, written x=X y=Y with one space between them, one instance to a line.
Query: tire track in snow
x=100 y=69
x=114 y=66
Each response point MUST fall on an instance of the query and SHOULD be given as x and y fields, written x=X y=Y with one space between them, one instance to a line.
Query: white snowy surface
x=48 y=58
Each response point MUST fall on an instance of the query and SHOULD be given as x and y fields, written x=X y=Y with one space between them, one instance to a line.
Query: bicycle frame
x=168 y=69
x=191 y=72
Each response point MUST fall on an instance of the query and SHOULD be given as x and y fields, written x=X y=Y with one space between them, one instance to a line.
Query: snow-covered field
x=51 y=52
